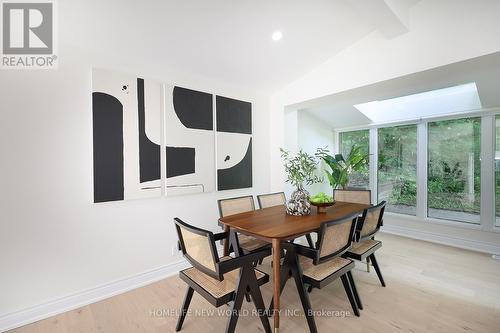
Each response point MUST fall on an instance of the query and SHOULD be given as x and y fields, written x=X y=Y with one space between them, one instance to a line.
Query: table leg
x=226 y=242
x=276 y=283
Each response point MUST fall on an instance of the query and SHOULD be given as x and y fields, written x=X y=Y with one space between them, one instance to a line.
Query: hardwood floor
x=430 y=288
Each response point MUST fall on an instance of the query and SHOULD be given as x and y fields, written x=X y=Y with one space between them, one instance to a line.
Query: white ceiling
x=229 y=40
x=338 y=111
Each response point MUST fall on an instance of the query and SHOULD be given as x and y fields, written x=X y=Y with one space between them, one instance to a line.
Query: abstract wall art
x=150 y=139
x=234 y=143
x=127 y=132
x=189 y=139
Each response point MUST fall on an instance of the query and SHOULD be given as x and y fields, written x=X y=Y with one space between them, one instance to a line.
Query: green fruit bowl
x=322 y=206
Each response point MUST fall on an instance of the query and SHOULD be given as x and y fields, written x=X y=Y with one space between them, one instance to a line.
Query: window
x=497 y=172
x=397 y=168
x=454 y=170
x=360 y=139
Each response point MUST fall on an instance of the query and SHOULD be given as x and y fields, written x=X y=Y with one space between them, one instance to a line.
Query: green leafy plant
x=300 y=168
x=341 y=168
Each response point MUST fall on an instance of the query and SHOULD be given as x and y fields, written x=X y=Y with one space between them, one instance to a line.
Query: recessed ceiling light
x=277 y=35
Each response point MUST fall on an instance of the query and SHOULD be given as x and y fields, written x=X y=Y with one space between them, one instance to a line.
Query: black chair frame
x=247 y=282
x=291 y=268
x=369 y=255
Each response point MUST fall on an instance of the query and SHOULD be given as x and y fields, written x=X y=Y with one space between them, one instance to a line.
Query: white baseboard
x=92 y=295
x=462 y=243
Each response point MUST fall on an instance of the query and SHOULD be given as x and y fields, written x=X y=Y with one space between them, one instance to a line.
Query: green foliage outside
x=361 y=139
x=397 y=165
x=454 y=167
x=454 y=164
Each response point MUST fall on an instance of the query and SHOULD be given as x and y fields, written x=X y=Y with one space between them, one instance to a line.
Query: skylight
x=427 y=104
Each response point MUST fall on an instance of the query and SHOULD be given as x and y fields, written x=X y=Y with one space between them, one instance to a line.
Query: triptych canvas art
x=152 y=139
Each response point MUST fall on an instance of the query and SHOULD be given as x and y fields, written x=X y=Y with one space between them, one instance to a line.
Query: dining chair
x=277 y=199
x=365 y=245
x=361 y=196
x=271 y=199
x=219 y=280
x=322 y=265
x=243 y=244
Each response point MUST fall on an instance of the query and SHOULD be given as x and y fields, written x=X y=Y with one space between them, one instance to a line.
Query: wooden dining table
x=275 y=226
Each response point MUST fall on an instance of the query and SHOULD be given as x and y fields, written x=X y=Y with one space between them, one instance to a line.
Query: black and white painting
x=189 y=139
x=234 y=143
x=127 y=133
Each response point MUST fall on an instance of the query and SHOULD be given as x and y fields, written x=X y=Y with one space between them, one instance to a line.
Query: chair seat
x=327 y=269
x=361 y=250
x=218 y=289
x=250 y=244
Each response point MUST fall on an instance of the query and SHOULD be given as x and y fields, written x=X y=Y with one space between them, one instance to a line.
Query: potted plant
x=341 y=168
x=300 y=169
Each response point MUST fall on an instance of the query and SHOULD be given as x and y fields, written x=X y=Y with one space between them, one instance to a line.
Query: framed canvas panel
x=189 y=140
x=127 y=136
x=234 y=143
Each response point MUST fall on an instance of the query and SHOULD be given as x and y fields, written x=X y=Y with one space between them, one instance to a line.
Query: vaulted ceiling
x=338 y=110
x=230 y=40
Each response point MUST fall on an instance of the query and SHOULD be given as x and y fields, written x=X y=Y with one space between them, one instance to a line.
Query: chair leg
x=259 y=303
x=185 y=307
x=236 y=306
x=377 y=269
x=304 y=297
x=368 y=264
x=354 y=290
x=310 y=241
x=309 y=289
x=247 y=295
x=348 y=291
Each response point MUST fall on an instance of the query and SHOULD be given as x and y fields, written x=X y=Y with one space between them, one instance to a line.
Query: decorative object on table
x=341 y=168
x=234 y=143
x=321 y=201
x=300 y=168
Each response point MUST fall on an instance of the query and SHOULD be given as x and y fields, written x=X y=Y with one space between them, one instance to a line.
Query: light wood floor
x=430 y=288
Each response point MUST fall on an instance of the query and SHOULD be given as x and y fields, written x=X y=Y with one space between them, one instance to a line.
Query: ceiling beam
x=390 y=17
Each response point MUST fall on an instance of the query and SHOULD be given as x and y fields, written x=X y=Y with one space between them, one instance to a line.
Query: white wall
x=313 y=134
x=54 y=241
x=303 y=131
x=441 y=32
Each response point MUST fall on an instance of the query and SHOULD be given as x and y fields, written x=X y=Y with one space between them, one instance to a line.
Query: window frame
x=488 y=139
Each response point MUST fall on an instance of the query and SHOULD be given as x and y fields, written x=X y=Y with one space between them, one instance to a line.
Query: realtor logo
x=28 y=34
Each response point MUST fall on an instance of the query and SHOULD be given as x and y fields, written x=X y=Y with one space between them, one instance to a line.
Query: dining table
x=275 y=226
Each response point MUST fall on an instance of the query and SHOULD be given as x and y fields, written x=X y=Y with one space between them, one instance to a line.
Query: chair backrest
x=372 y=220
x=198 y=246
x=271 y=199
x=355 y=196
x=335 y=237
x=237 y=205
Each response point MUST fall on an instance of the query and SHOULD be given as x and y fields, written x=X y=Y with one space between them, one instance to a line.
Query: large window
x=497 y=172
x=397 y=168
x=360 y=139
x=454 y=170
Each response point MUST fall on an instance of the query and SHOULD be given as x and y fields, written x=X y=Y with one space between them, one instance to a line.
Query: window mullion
x=488 y=172
x=374 y=164
x=422 y=170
